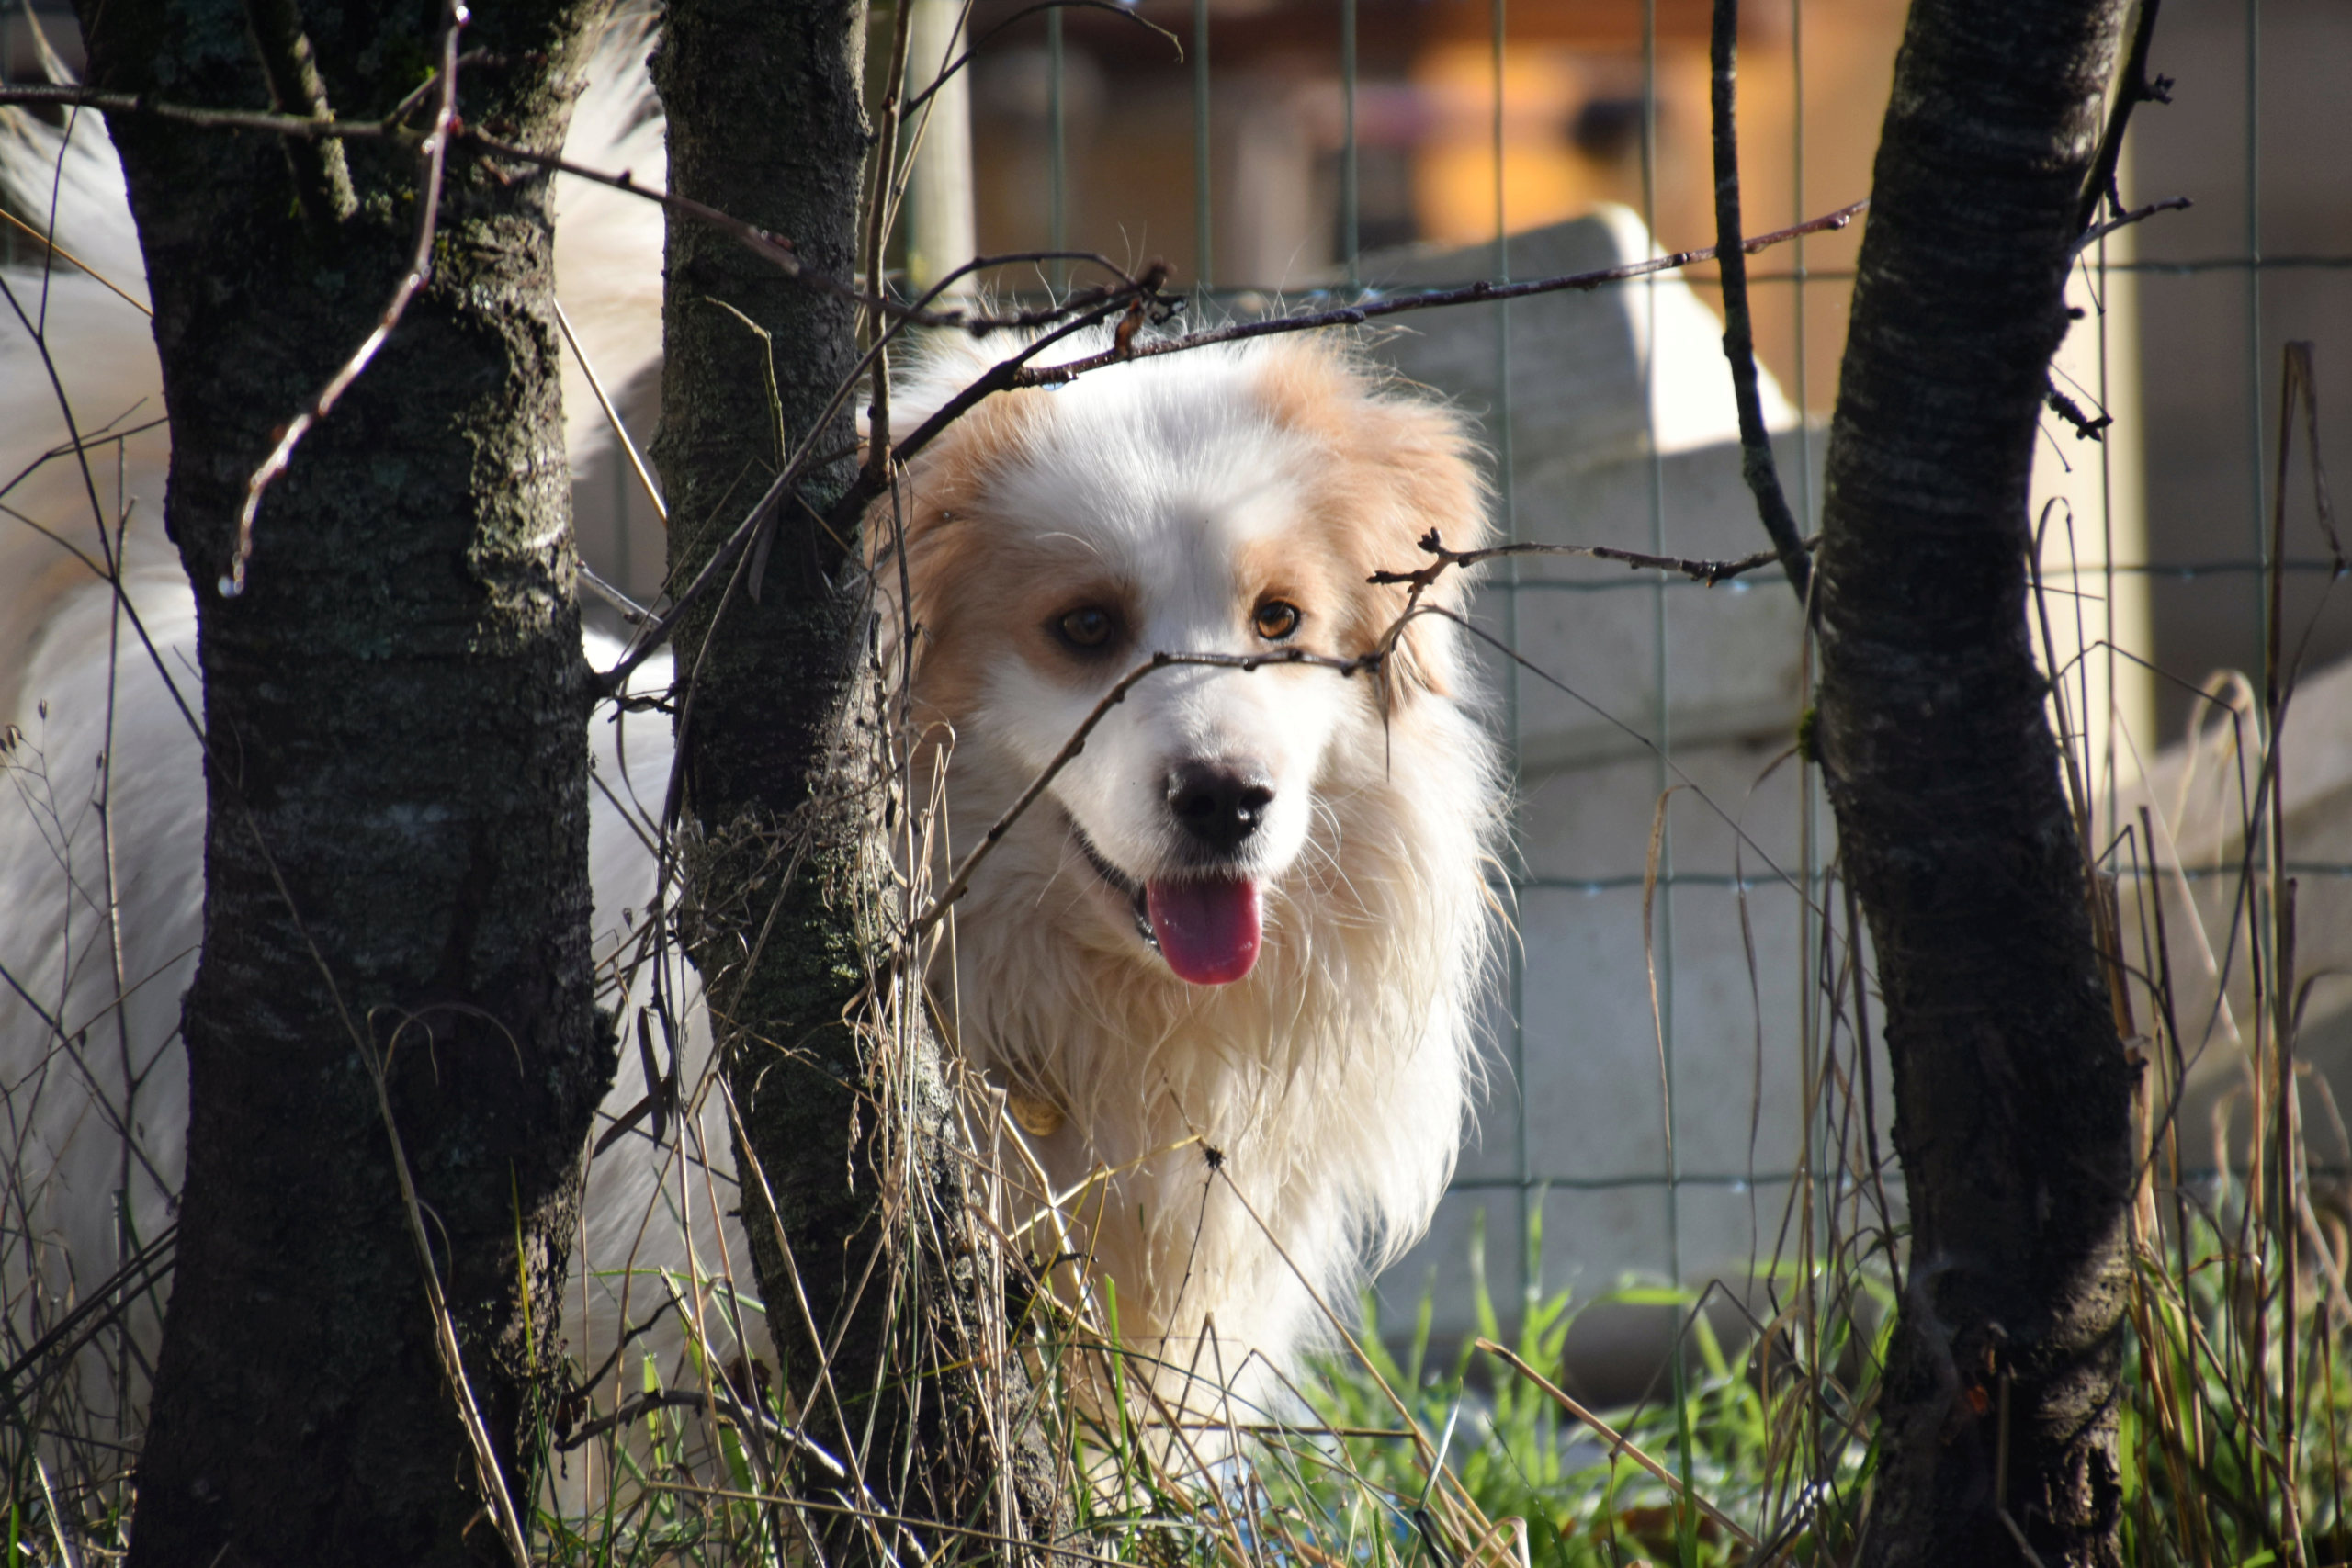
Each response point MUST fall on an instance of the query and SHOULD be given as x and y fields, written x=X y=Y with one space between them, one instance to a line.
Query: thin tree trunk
x=396 y=857
x=2012 y=1091
x=853 y=1199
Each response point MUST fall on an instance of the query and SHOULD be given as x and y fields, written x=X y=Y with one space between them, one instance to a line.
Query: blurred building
x=1578 y=122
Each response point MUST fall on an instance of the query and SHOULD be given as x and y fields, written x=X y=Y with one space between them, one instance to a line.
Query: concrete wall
x=1622 y=431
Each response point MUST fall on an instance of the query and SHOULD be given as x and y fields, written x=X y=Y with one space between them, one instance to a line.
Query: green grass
x=1512 y=1465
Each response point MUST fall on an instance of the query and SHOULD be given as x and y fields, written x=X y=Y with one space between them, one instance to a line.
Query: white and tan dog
x=1226 y=969
x=1251 y=916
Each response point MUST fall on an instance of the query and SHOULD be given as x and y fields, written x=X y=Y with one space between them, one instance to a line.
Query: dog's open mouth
x=1208 y=929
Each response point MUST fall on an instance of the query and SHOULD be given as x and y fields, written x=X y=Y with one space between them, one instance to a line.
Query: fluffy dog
x=1224 y=970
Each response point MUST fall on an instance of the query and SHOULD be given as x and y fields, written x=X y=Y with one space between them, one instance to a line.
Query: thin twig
x=1369 y=662
x=111 y=865
x=612 y=416
x=724 y=1405
x=2136 y=87
x=400 y=112
x=1756 y=464
x=1708 y=572
x=880 y=203
x=1007 y=374
x=1131 y=295
x=1292 y=1429
x=33 y=95
x=780 y=250
x=1479 y=293
x=632 y=612
x=1125 y=13
x=141 y=1271
x=488 y=1476
x=775 y=248
x=1011 y=373
x=1618 y=1442
x=2098 y=231
x=63 y=254
x=431 y=157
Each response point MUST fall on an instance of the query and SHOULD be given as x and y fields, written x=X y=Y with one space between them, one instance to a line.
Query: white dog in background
x=1224 y=970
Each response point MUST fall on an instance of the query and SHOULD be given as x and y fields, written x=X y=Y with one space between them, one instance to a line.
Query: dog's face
x=1232 y=506
x=1198 y=789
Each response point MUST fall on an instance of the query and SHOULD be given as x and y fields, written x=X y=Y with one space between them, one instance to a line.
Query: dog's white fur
x=1177 y=494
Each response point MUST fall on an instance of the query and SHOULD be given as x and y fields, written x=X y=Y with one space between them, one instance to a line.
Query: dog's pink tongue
x=1208 y=931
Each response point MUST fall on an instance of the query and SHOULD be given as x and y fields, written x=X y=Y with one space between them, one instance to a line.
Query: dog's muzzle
x=1209 y=923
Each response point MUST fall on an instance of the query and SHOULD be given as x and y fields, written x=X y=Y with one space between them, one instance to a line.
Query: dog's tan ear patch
x=1404 y=466
x=931 y=516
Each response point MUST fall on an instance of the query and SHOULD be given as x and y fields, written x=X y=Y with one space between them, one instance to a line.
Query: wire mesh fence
x=1335 y=150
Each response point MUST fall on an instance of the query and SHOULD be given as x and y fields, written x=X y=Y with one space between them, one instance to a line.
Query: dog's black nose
x=1218 y=804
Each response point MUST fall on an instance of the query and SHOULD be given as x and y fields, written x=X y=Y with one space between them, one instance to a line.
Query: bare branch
x=718 y=1404
x=1756 y=464
x=1709 y=572
x=2098 y=231
x=498 y=1501
x=780 y=251
x=433 y=156
x=612 y=416
x=63 y=254
x=1009 y=373
x=1375 y=309
x=775 y=248
x=2136 y=87
x=33 y=95
x=880 y=210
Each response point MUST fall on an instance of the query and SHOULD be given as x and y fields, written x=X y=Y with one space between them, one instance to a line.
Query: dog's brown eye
x=1089 y=625
x=1276 y=620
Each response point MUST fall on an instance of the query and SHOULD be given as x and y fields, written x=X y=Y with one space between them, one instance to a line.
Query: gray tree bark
x=396 y=857
x=853 y=1199
x=2012 y=1086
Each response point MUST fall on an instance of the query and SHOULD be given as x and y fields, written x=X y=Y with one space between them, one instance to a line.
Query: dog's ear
x=921 y=534
x=1404 y=467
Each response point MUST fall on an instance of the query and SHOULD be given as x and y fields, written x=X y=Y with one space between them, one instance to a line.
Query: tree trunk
x=853 y=1199
x=2012 y=1091
x=396 y=856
